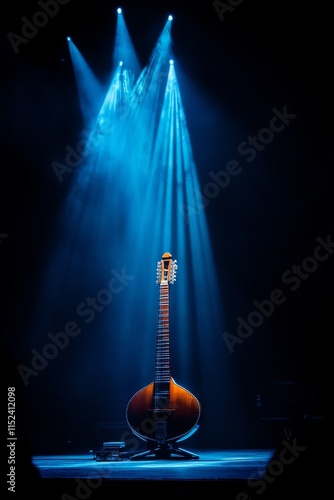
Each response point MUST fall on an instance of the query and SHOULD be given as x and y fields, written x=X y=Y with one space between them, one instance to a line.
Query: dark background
x=263 y=55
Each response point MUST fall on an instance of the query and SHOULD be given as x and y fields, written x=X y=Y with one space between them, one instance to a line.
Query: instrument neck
x=162 y=364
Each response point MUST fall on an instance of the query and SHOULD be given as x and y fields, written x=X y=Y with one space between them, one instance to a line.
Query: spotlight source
x=119 y=10
x=171 y=61
x=68 y=38
x=170 y=18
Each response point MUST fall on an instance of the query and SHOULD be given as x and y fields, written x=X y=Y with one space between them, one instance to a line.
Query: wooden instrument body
x=180 y=413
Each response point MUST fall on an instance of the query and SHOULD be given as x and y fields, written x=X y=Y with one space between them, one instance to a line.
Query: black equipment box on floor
x=110 y=451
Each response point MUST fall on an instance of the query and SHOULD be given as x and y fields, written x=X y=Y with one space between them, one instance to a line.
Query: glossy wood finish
x=182 y=414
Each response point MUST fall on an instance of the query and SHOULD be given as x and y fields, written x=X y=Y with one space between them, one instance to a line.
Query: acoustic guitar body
x=177 y=415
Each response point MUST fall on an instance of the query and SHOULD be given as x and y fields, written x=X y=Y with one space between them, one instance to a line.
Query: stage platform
x=241 y=474
x=220 y=472
x=211 y=465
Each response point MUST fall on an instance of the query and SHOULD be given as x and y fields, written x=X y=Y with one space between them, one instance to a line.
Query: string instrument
x=163 y=413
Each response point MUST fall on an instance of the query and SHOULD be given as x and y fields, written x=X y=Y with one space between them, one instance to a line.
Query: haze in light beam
x=127 y=203
x=124 y=49
x=172 y=185
x=90 y=90
x=148 y=90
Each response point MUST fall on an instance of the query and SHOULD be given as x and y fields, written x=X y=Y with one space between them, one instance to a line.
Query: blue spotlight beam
x=171 y=185
x=193 y=242
x=123 y=47
x=89 y=89
x=147 y=92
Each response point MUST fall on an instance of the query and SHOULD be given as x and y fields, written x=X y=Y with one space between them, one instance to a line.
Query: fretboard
x=162 y=365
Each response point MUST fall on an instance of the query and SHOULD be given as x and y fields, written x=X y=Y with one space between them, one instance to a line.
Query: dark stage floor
x=219 y=471
x=241 y=474
x=211 y=465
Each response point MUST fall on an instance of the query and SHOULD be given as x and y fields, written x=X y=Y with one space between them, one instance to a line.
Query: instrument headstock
x=166 y=269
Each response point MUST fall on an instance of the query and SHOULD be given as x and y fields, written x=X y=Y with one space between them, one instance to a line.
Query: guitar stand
x=164 y=452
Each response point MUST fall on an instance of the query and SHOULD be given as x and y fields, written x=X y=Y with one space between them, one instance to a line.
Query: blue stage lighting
x=170 y=18
x=171 y=61
x=119 y=11
x=68 y=38
x=121 y=63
